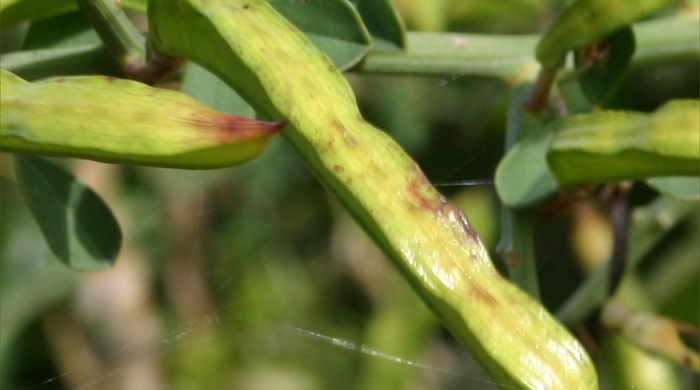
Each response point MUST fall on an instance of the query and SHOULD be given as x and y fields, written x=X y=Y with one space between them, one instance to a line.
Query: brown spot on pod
x=231 y=128
x=481 y=294
x=337 y=125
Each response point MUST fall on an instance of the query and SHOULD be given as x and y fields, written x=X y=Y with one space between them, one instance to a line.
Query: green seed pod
x=429 y=240
x=584 y=22
x=616 y=145
x=123 y=121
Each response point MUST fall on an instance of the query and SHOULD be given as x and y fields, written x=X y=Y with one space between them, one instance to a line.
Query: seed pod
x=584 y=22
x=651 y=332
x=617 y=145
x=429 y=240
x=123 y=121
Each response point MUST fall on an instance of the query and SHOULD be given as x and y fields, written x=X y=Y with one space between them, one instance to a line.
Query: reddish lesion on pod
x=427 y=198
x=226 y=128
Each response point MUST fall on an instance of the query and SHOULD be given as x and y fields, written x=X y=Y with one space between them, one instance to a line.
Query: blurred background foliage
x=254 y=278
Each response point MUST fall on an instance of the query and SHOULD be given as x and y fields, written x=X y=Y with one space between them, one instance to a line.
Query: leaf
x=66 y=30
x=686 y=188
x=206 y=87
x=16 y=11
x=523 y=178
x=384 y=24
x=75 y=60
x=604 y=65
x=78 y=226
x=334 y=26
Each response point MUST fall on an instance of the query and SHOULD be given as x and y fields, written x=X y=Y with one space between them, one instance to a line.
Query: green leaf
x=75 y=60
x=16 y=11
x=66 y=30
x=620 y=145
x=206 y=87
x=78 y=226
x=334 y=26
x=523 y=178
x=604 y=65
x=686 y=188
x=62 y=45
x=384 y=24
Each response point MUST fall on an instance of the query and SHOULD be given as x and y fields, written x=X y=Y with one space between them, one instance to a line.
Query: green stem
x=126 y=43
x=516 y=245
x=517 y=249
x=116 y=30
x=505 y=56
x=498 y=56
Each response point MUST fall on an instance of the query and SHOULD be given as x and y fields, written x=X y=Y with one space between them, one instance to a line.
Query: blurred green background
x=254 y=277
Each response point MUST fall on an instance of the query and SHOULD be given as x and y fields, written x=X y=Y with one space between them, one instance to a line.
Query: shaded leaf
x=15 y=11
x=523 y=178
x=62 y=45
x=686 y=188
x=66 y=30
x=604 y=64
x=384 y=24
x=78 y=226
x=334 y=26
x=206 y=87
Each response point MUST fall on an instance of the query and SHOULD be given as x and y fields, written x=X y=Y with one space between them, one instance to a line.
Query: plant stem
x=451 y=53
x=516 y=245
x=126 y=44
x=497 y=56
x=116 y=30
x=504 y=56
